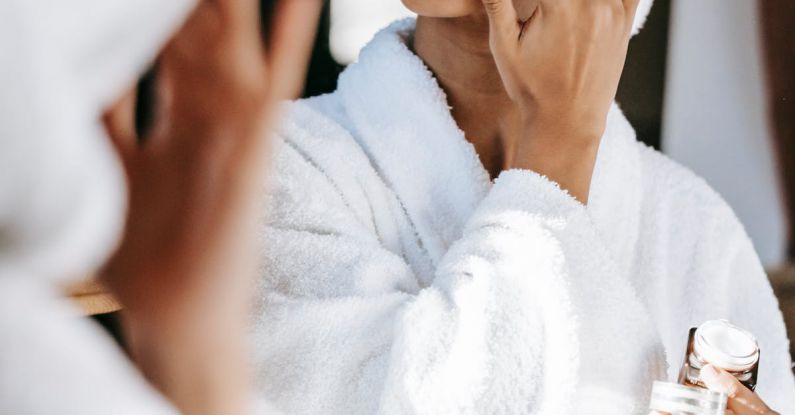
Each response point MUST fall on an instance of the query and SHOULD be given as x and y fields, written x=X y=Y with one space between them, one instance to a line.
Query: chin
x=444 y=8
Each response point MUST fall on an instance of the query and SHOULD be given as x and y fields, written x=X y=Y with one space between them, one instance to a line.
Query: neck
x=457 y=51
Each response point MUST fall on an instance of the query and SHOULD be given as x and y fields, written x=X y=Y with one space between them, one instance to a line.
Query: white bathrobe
x=399 y=279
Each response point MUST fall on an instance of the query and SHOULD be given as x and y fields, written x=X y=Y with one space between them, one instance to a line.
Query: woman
x=467 y=225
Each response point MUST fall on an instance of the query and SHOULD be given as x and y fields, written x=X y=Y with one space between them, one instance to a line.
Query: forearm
x=186 y=312
x=193 y=350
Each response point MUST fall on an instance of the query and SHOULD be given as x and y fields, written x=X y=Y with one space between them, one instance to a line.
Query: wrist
x=547 y=145
x=565 y=156
x=208 y=375
x=196 y=360
x=577 y=127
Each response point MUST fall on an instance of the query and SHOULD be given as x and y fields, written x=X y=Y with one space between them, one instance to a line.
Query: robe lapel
x=400 y=116
x=402 y=120
x=615 y=196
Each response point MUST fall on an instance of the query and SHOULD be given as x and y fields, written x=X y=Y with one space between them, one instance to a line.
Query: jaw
x=445 y=8
x=464 y=8
x=474 y=8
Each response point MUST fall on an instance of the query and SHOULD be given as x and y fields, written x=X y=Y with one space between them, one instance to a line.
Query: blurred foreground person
x=184 y=265
x=468 y=225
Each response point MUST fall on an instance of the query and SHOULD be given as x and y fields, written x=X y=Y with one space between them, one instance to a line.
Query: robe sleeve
x=55 y=361
x=753 y=306
x=518 y=318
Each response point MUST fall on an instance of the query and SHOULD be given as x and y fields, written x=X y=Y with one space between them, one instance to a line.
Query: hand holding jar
x=742 y=401
x=718 y=375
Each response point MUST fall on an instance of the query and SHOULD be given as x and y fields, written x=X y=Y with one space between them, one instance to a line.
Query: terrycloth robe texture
x=400 y=280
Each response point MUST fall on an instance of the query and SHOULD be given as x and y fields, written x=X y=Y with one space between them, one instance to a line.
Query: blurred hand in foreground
x=184 y=270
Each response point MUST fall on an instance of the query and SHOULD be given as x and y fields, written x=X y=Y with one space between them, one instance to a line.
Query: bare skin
x=741 y=400
x=540 y=120
x=187 y=262
x=530 y=83
x=480 y=104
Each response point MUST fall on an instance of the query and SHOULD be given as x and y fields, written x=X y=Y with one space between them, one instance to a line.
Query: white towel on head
x=62 y=196
x=400 y=280
x=61 y=187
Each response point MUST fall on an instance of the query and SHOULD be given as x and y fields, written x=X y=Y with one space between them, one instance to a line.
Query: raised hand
x=186 y=264
x=561 y=67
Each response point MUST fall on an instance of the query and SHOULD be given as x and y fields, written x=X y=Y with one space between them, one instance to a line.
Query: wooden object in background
x=93 y=298
x=783 y=282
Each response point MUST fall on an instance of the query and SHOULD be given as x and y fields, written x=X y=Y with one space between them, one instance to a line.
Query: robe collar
x=400 y=116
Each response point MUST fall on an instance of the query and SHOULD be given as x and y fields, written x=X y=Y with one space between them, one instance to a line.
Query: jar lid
x=680 y=399
x=725 y=345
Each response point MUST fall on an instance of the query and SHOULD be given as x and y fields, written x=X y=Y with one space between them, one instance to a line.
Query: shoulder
x=695 y=217
x=318 y=129
x=678 y=190
x=692 y=244
x=320 y=173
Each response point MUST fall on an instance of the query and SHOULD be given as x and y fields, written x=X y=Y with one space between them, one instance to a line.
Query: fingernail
x=709 y=374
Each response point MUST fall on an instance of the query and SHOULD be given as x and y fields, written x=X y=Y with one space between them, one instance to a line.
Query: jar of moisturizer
x=677 y=399
x=723 y=345
x=720 y=344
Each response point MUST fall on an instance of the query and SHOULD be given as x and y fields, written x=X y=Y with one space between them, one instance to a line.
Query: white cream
x=727 y=346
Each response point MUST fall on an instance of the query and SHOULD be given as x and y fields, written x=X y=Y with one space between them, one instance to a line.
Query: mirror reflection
x=397 y=207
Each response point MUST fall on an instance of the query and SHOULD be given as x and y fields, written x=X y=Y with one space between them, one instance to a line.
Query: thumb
x=741 y=399
x=502 y=17
x=119 y=124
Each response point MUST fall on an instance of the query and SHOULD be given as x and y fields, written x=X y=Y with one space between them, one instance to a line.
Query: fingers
x=502 y=18
x=721 y=381
x=741 y=399
x=238 y=11
x=631 y=5
x=294 y=29
x=728 y=412
x=120 y=125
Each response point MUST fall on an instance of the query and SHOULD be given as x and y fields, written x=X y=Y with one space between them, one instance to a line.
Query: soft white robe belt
x=400 y=280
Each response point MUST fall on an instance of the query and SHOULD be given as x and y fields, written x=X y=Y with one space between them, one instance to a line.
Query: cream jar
x=723 y=345
x=677 y=399
x=715 y=342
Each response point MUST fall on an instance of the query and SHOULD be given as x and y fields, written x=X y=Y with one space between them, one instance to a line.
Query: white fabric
x=716 y=97
x=354 y=22
x=400 y=280
x=644 y=8
x=61 y=189
x=62 y=196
